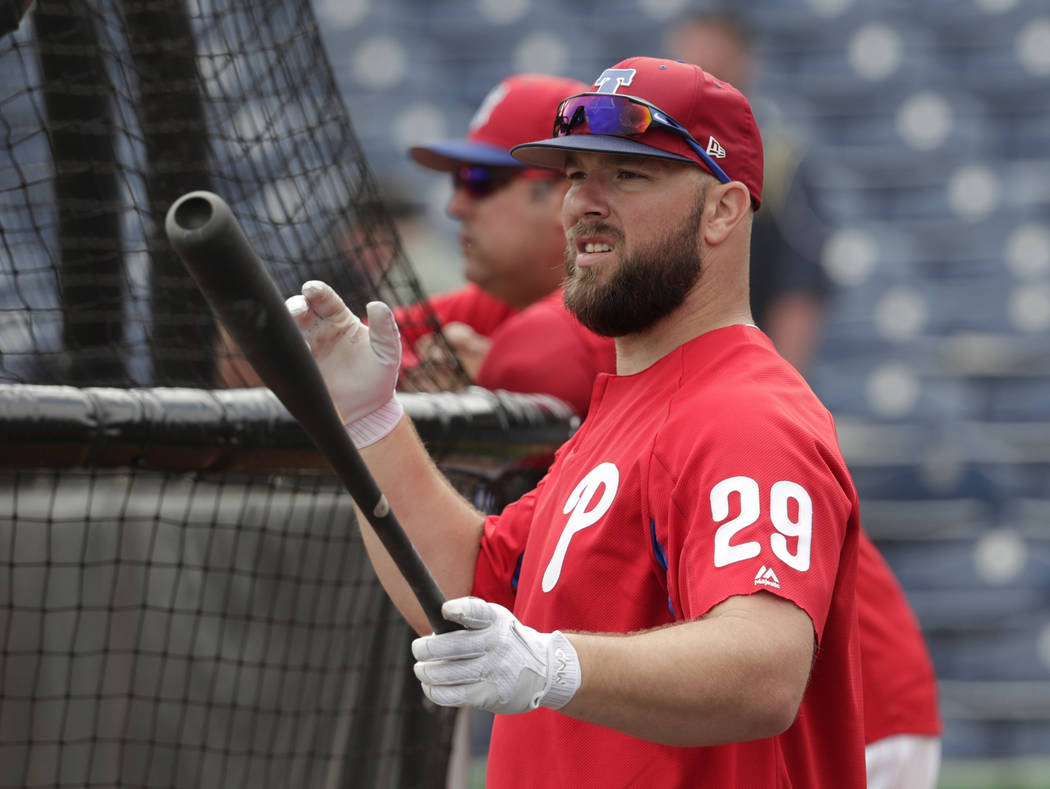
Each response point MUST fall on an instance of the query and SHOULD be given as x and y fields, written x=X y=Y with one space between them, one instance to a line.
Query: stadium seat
x=989 y=653
x=1015 y=398
x=958 y=608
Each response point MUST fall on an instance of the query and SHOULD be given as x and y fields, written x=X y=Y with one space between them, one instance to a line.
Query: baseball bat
x=212 y=246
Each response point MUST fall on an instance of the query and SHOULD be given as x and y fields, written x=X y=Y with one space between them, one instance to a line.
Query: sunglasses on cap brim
x=480 y=181
x=623 y=116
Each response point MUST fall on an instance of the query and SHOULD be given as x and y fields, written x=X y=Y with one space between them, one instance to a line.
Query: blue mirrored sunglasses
x=623 y=116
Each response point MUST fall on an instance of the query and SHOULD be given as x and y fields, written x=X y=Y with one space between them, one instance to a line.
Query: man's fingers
x=322 y=317
x=305 y=318
x=455 y=684
x=444 y=696
x=464 y=339
x=384 y=336
x=296 y=304
x=457 y=645
x=322 y=300
x=475 y=694
x=447 y=672
x=471 y=612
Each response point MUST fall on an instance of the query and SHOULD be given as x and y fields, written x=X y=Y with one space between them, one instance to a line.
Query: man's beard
x=647 y=286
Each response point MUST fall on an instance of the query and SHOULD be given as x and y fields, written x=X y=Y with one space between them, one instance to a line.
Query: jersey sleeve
x=503 y=541
x=763 y=502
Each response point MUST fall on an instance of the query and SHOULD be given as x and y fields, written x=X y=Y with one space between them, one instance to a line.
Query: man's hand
x=359 y=363
x=469 y=346
x=496 y=663
x=470 y=349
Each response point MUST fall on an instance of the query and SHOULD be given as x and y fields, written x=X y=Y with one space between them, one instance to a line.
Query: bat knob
x=197 y=218
x=193 y=211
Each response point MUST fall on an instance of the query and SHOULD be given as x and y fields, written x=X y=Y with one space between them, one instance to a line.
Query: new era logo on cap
x=715 y=149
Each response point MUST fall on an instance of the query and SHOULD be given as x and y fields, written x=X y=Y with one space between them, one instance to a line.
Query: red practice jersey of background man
x=542 y=348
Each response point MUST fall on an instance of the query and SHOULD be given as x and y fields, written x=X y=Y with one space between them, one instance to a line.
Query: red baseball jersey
x=545 y=349
x=900 y=686
x=469 y=304
x=542 y=348
x=713 y=473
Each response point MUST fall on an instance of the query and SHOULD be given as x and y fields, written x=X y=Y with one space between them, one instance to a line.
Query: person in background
x=789 y=288
x=513 y=254
x=788 y=293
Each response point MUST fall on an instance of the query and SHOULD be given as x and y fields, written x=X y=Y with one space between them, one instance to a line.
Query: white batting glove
x=359 y=363
x=497 y=663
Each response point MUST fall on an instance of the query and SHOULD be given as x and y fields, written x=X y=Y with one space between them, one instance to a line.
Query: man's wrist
x=372 y=427
x=564 y=672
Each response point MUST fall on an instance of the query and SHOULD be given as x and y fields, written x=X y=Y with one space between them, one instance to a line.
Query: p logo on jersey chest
x=583 y=511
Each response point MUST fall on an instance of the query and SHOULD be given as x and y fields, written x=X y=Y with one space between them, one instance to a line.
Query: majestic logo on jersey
x=767 y=577
x=614 y=78
x=585 y=507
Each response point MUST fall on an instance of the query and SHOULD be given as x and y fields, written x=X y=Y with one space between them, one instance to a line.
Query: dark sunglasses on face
x=623 y=116
x=479 y=181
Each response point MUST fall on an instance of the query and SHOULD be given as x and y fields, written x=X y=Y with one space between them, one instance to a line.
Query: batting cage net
x=185 y=599
x=184 y=596
x=110 y=111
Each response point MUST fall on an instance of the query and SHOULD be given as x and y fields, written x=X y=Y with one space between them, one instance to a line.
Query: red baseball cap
x=712 y=111
x=517 y=110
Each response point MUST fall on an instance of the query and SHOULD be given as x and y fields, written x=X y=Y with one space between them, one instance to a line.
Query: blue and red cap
x=672 y=97
x=517 y=110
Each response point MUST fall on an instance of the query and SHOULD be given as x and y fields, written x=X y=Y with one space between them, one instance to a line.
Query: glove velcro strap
x=371 y=427
x=563 y=668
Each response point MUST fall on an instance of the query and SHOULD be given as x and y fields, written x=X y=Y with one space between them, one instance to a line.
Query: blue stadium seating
x=998 y=653
x=980 y=738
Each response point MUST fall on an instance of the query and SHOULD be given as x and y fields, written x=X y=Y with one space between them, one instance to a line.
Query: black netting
x=111 y=110
x=185 y=600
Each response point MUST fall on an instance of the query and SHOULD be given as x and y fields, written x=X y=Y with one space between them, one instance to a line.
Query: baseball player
x=513 y=250
x=902 y=723
x=673 y=605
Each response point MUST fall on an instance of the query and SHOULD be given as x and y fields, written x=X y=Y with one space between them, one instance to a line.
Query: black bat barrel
x=211 y=244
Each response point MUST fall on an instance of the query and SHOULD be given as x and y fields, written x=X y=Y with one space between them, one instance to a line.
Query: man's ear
x=727 y=205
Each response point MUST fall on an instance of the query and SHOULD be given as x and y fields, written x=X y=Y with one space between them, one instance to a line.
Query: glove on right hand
x=359 y=363
x=496 y=663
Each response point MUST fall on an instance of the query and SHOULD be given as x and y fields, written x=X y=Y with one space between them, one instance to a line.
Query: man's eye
x=574 y=175
x=629 y=175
